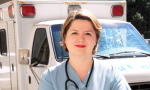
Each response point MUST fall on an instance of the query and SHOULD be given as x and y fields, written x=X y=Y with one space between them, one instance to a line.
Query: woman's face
x=80 y=38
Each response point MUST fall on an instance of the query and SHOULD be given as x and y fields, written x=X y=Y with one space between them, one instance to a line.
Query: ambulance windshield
x=116 y=38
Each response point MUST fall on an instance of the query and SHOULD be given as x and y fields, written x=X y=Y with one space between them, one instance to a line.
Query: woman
x=80 y=34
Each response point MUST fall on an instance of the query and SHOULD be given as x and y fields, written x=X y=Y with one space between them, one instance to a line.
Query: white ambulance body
x=147 y=41
x=26 y=37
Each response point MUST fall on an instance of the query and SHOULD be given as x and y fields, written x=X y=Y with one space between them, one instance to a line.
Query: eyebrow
x=89 y=31
x=74 y=30
x=85 y=31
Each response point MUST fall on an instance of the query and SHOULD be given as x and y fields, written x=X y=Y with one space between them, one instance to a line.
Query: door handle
x=29 y=79
x=12 y=67
x=1 y=65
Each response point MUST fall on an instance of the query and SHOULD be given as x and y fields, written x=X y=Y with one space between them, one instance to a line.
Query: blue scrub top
x=104 y=77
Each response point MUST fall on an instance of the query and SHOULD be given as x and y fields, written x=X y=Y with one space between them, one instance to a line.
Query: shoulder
x=49 y=78
x=111 y=74
x=56 y=67
x=103 y=64
x=53 y=71
x=107 y=69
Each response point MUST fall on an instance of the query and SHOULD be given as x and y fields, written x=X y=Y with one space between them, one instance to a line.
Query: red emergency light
x=10 y=11
x=117 y=10
x=27 y=10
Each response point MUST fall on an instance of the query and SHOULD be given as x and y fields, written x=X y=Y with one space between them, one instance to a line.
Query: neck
x=80 y=61
x=81 y=65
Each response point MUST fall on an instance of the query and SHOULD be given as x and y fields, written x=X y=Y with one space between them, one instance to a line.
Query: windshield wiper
x=64 y=57
x=124 y=52
x=148 y=54
x=101 y=56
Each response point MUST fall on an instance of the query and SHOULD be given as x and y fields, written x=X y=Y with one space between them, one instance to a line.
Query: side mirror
x=24 y=56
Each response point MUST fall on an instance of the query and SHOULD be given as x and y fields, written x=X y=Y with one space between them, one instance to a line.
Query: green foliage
x=138 y=13
x=4 y=1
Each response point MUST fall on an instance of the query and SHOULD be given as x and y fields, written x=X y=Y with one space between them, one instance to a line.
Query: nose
x=81 y=38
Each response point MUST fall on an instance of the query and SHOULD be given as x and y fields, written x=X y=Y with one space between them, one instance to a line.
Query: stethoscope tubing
x=68 y=79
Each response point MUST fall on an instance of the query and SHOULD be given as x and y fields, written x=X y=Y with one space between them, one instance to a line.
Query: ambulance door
x=12 y=52
x=40 y=51
x=5 y=79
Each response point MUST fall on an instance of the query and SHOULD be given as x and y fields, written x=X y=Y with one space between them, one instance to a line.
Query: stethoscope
x=68 y=79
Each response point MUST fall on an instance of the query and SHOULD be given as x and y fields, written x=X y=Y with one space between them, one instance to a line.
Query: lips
x=80 y=46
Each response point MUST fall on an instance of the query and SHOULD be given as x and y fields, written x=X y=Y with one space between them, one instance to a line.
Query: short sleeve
x=119 y=82
x=46 y=82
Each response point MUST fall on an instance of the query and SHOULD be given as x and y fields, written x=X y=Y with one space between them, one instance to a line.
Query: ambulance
x=147 y=41
x=30 y=41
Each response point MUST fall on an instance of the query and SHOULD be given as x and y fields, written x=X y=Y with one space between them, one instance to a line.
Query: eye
x=74 y=33
x=89 y=34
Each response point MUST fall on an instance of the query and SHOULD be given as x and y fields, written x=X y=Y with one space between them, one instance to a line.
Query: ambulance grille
x=140 y=86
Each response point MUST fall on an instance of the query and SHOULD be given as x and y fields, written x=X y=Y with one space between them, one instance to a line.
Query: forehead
x=76 y=21
x=83 y=24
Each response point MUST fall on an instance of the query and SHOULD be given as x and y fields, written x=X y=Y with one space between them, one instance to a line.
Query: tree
x=4 y=1
x=138 y=13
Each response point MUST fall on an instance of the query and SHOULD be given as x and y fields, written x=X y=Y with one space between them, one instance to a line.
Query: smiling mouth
x=80 y=46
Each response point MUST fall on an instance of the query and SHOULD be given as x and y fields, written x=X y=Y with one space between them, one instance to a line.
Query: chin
x=80 y=53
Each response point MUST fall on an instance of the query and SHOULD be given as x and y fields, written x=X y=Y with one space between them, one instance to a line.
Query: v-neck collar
x=74 y=76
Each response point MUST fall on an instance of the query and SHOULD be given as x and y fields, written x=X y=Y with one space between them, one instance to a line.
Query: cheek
x=95 y=40
x=91 y=40
x=70 y=40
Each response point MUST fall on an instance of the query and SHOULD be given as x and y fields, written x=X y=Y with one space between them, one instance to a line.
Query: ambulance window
x=40 y=49
x=3 y=42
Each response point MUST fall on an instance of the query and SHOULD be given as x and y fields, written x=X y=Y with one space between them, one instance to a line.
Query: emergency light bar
x=1 y=14
x=117 y=10
x=11 y=11
x=27 y=11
